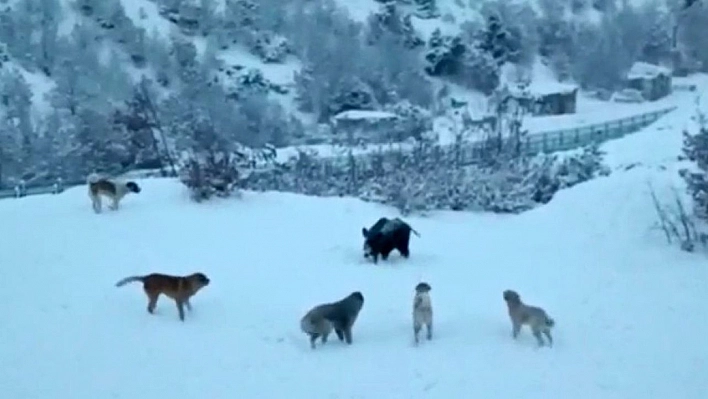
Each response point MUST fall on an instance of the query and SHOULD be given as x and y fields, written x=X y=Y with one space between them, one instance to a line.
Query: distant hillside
x=112 y=84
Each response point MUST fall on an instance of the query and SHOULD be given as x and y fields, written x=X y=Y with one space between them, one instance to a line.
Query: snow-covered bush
x=427 y=9
x=433 y=177
x=217 y=173
x=682 y=223
x=413 y=121
x=270 y=47
x=695 y=149
x=249 y=82
x=4 y=54
x=390 y=20
x=210 y=174
x=464 y=60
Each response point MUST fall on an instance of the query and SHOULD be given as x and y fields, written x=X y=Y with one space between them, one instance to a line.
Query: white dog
x=422 y=311
x=113 y=189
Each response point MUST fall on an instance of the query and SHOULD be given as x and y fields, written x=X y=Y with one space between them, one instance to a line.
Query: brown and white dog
x=422 y=311
x=115 y=190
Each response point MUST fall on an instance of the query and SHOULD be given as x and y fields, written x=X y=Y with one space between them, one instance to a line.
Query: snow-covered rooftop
x=644 y=70
x=357 y=114
x=545 y=88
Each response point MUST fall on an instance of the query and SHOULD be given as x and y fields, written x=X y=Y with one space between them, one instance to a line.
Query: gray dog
x=535 y=317
x=338 y=316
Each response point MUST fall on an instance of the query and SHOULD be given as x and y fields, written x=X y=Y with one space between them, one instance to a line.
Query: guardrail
x=568 y=139
x=546 y=142
x=37 y=190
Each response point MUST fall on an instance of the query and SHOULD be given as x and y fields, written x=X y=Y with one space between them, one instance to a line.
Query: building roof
x=357 y=114
x=540 y=89
x=644 y=70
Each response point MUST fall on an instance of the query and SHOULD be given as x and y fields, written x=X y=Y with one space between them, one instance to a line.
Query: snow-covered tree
x=695 y=149
x=427 y=9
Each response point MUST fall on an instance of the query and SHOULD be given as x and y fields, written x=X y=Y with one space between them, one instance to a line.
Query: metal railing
x=542 y=142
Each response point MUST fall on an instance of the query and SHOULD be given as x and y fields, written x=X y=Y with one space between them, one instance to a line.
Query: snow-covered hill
x=449 y=16
x=630 y=310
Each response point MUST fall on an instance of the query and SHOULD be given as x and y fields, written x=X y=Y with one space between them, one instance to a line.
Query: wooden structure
x=653 y=81
x=547 y=98
x=356 y=126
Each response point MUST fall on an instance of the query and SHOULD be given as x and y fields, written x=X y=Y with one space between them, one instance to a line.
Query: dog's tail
x=550 y=322
x=131 y=279
x=414 y=231
x=93 y=178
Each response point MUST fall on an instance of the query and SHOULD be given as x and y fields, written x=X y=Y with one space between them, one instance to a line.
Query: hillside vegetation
x=112 y=85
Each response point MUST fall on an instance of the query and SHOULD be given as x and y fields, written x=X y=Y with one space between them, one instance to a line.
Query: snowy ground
x=630 y=310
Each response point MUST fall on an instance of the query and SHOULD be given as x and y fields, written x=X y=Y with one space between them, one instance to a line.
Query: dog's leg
x=416 y=331
x=429 y=330
x=96 y=202
x=313 y=338
x=547 y=333
x=348 y=335
x=515 y=329
x=152 y=301
x=180 y=308
x=188 y=305
x=324 y=338
x=114 y=203
x=537 y=333
x=340 y=334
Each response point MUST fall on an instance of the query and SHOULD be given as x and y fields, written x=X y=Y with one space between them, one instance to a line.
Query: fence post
x=545 y=142
x=20 y=189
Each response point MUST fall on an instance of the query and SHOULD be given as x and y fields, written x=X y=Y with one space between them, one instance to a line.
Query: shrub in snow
x=413 y=121
x=210 y=174
x=4 y=54
x=677 y=222
x=249 y=82
x=675 y=219
x=389 y=19
x=580 y=167
x=444 y=54
x=695 y=149
x=352 y=93
x=427 y=9
x=433 y=177
x=270 y=47
x=471 y=65
x=218 y=173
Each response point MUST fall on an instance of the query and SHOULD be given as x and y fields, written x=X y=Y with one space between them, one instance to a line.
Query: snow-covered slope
x=630 y=310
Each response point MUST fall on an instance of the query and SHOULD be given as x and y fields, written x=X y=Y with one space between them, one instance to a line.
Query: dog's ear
x=365 y=232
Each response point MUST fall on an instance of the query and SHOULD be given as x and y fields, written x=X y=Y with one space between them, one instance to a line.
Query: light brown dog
x=535 y=317
x=422 y=311
x=115 y=190
x=179 y=288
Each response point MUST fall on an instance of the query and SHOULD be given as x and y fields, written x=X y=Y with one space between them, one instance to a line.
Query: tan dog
x=422 y=311
x=115 y=190
x=179 y=288
x=535 y=317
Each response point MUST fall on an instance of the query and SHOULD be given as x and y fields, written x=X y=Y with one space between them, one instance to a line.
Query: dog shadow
x=355 y=256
